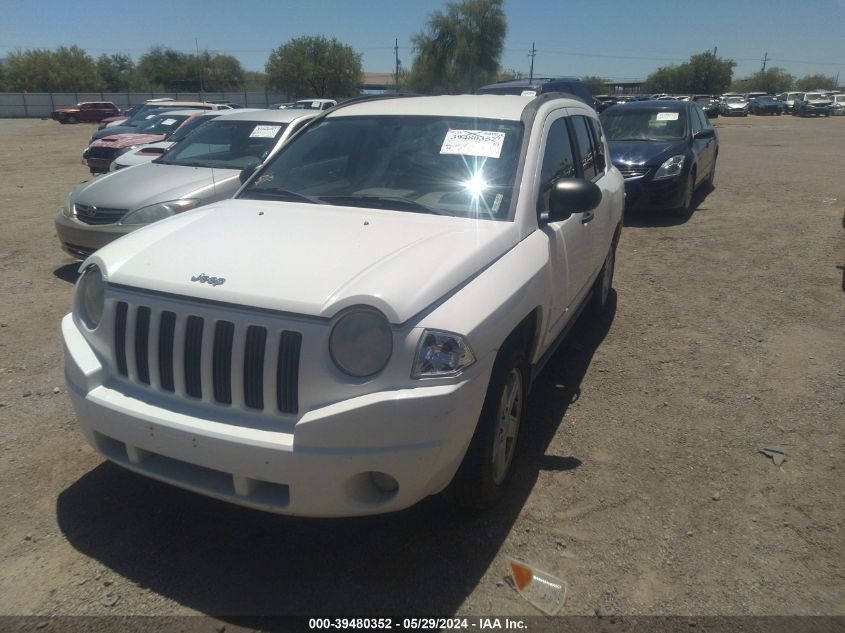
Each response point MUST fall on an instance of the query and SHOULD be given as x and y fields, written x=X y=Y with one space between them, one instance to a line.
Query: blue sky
x=614 y=39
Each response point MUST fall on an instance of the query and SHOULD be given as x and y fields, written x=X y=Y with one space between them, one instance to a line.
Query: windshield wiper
x=276 y=193
x=383 y=202
x=655 y=140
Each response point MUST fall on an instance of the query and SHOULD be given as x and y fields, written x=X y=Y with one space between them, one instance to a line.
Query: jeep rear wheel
x=71 y=119
x=487 y=465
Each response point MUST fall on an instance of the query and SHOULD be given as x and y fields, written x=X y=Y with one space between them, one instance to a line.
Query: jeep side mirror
x=248 y=171
x=707 y=132
x=572 y=195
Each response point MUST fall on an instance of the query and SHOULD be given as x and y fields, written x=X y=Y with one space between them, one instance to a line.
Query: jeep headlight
x=159 y=211
x=361 y=342
x=441 y=354
x=670 y=168
x=91 y=289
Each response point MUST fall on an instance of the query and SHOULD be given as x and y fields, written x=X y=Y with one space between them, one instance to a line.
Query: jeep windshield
x=225 y=144
x=623 y=124
x=421 y=164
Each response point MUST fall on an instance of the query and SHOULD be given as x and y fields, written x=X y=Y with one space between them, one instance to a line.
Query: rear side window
x=702 y=119
x=558 y=161
x=584 y=141
x=598 y=143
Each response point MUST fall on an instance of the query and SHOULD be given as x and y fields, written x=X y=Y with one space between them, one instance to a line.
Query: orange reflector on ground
x=543 y=590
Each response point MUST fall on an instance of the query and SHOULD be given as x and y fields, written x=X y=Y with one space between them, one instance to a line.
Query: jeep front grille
x=104 y=153
x=205 y=358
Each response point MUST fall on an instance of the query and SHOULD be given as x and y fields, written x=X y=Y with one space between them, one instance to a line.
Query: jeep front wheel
x=485 y=470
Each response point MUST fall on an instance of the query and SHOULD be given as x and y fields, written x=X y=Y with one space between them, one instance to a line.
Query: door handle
x=587 y=217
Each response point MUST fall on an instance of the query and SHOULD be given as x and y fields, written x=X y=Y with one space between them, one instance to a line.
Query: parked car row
x=200 y=168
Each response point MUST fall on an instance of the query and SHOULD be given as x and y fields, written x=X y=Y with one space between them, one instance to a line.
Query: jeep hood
x=307 y=259
x=154 y=182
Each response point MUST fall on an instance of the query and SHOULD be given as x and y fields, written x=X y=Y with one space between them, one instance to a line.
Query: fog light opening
x=384 y=482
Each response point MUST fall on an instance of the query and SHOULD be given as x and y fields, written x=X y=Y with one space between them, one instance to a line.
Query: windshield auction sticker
x=265 y=131
x=473 y=143
x=168 y=122
x=667 y=116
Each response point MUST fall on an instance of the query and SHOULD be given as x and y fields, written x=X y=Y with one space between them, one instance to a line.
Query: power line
x=532 y=55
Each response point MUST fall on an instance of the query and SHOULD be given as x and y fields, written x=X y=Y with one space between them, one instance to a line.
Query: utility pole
x=199 y=61
x=396 y=57
x=532 y=54
x=765 y=59
x=715 y=48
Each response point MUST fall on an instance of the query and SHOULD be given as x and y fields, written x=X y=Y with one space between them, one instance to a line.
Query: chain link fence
x=41 y=104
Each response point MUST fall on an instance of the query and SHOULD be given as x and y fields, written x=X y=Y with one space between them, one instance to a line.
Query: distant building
x=378 y=83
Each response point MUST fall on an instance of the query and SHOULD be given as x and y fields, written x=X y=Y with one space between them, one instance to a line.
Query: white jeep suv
x=360 y=326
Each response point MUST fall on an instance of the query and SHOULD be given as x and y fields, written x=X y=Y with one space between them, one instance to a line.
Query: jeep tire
x=488 y=463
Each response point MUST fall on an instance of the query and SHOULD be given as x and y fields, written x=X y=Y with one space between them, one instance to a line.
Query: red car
x=99 y=154
x=90 y=111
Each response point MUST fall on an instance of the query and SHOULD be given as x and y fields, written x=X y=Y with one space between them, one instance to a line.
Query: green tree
x=703 y=73
x=812 y=82
x=741 y=86
x=772 y=81
x=461 y=49
x=220 y=72
x=117 y=72
x=597 y=85
x=509 y=75
x=315 y=66
x=165 y=69
x=663 y=79
x=67 y=69
x=254 y=80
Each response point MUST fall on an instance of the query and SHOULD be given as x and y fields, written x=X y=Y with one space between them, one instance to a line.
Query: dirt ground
x=640 y=482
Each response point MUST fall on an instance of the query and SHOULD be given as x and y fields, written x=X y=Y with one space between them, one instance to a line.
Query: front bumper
x=319 y=464
x=809 y=108
x=98 y=165
x=80 y=240
x=644 y=193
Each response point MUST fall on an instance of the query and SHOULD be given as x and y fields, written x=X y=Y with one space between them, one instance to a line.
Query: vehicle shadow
x=649 y=218
x=68 y=272
x=236 y=563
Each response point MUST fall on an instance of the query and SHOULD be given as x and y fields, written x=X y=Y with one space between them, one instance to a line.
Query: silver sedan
x=203 y=168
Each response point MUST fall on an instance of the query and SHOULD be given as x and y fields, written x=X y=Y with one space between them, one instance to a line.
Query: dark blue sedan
x=664 y=149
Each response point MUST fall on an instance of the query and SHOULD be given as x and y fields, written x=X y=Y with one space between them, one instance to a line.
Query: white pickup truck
x=360 y=326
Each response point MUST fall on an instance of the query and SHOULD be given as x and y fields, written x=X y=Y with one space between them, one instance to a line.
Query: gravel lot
x=640 y=483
